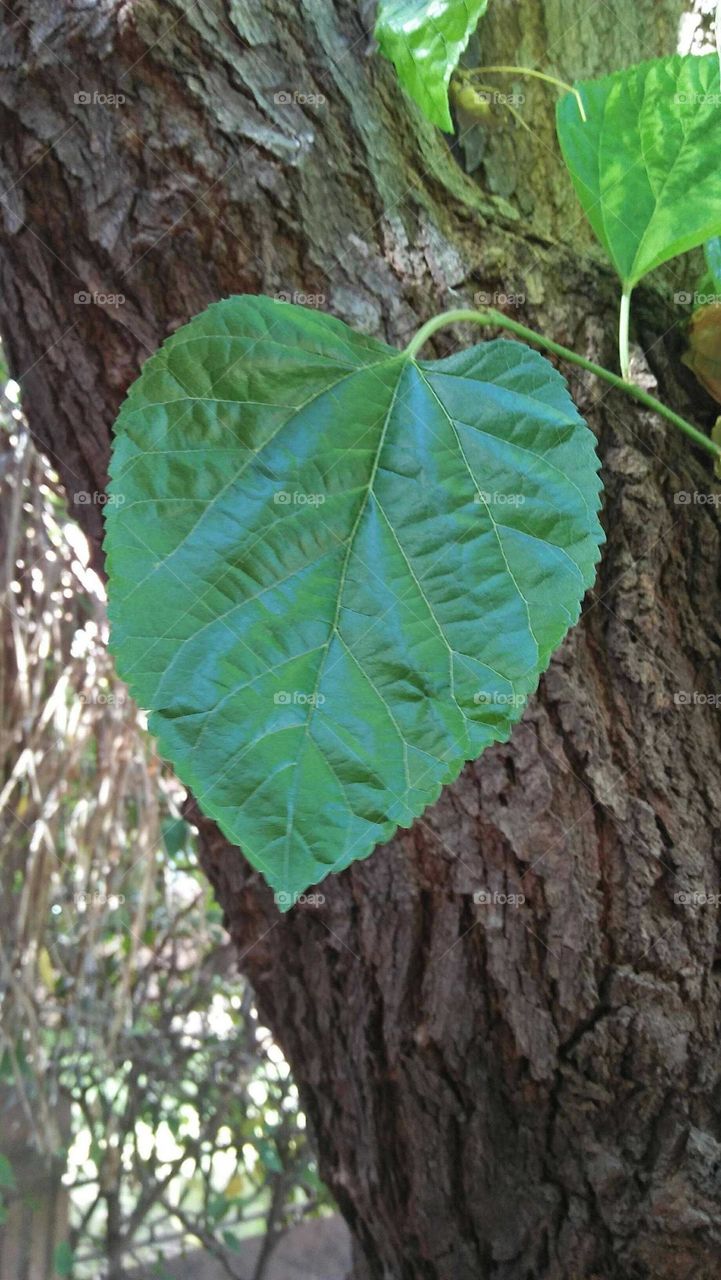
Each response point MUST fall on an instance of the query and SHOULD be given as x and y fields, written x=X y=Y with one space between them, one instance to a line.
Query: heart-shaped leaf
x=336 y=571
x=645 y=164
x=424 y=40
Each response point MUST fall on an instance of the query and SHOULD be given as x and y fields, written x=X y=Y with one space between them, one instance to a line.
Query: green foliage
x=645 y=164
x=127 y=1029
x=63 y=1260
x=424 y=40
x=176 y=838
x=7 y=1177
x=336 y=571
x=710 y=282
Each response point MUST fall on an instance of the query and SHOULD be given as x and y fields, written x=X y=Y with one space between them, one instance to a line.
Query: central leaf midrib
x=293 y=794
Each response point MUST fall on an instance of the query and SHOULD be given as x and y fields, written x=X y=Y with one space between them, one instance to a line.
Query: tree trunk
x=34 y=1220
x=505 y=1092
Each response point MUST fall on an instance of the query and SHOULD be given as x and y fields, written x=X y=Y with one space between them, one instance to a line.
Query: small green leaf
x=232 y=1241
x=176 y=836
x=63 y=1260
x=645 y=164
x=218 y=1206
x=424 y=40
x=268 y=1153
x=336 y=572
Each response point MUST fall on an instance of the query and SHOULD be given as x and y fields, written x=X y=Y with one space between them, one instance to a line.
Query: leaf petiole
x=497 y=319
x=623 y=321
x=537 y=75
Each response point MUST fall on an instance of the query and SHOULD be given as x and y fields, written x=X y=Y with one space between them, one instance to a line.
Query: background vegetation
x=128 y=1040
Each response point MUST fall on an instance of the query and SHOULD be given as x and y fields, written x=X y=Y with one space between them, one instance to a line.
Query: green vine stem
x=623 y=320
x=538 y=75
x=496 y=319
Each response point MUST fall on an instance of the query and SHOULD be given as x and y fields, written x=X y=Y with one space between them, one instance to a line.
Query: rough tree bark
x=512 y=1094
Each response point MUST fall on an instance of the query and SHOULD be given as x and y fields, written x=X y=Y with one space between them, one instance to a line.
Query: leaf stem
x=623 y=320
x=497 y=319
x=538 y=75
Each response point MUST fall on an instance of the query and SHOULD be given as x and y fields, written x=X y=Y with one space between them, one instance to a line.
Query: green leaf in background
x=336 y=572
x=712 y=258
x=7 y=1177
x=645 y=165
x=176 y=837
x=424 y=40
x=63 y=1260
x=232 y=1241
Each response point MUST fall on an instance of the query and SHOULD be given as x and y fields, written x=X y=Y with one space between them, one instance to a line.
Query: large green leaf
x=424 y=40
x=336 y=572
x=645 y=164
